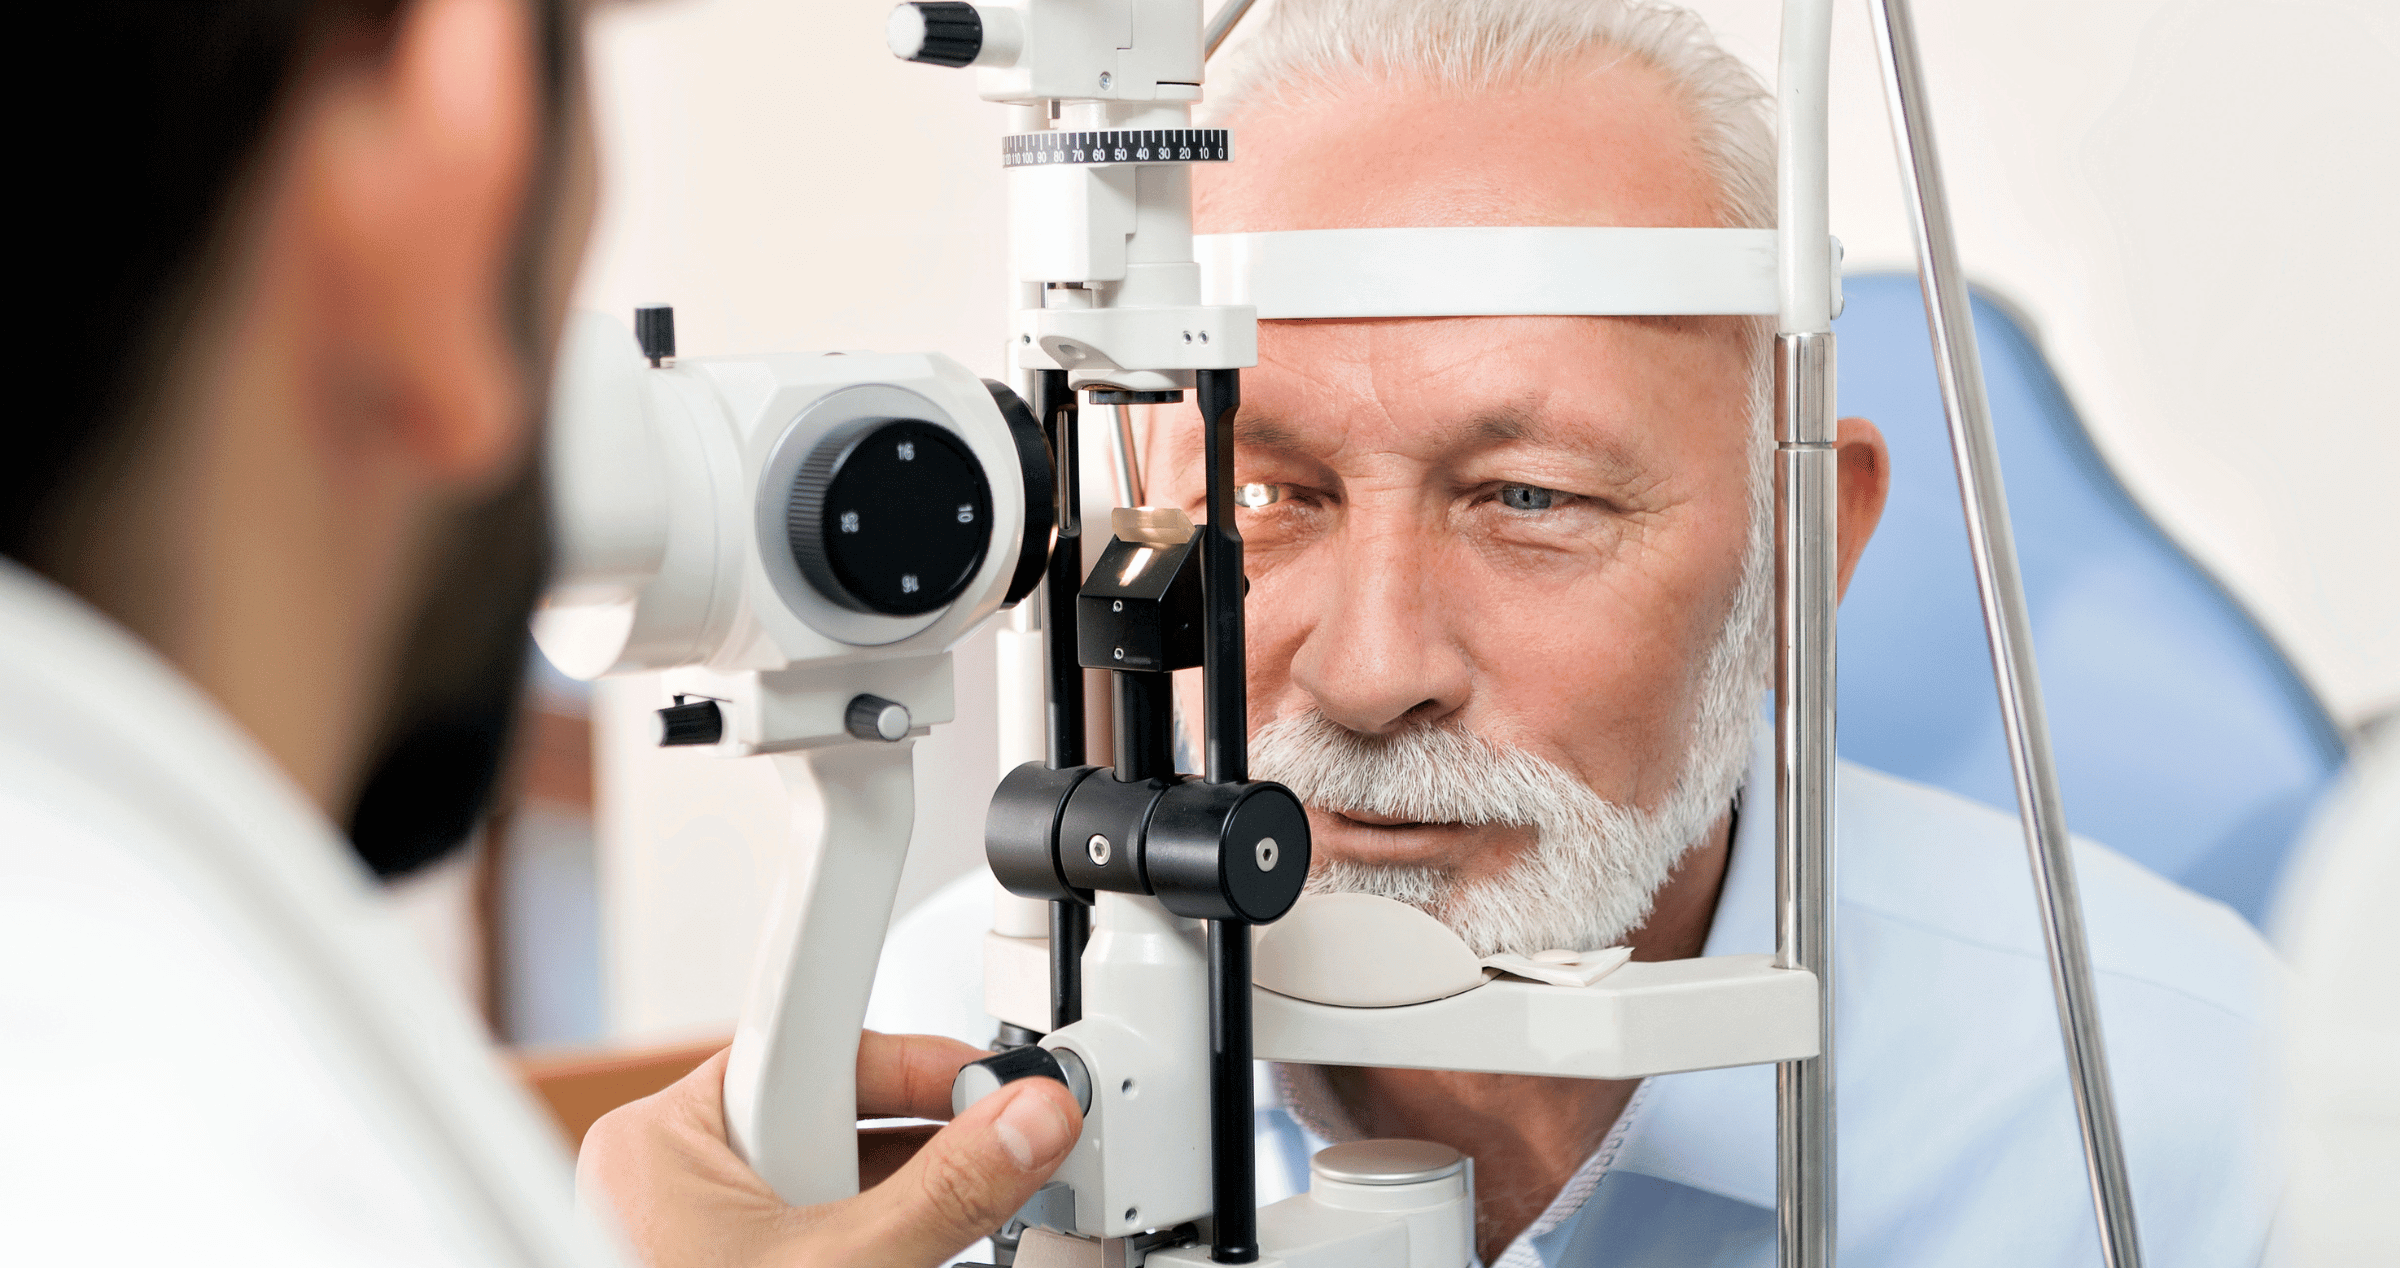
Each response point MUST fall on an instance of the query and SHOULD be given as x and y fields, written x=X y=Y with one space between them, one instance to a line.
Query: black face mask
x=462 y=671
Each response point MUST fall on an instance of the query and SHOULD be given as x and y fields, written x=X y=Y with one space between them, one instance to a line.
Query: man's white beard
x=1595 y=866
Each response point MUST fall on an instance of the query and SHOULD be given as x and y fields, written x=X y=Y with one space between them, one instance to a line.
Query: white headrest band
x=1494 y=272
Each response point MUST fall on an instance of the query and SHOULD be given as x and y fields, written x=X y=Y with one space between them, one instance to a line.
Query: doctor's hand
x=683 y=1197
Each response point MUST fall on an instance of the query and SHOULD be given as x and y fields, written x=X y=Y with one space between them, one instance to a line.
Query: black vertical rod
x=1145 y=714
x=1226 y=699
x=1070 y=922
x=1232 y=1124
x=1055 y=402
x=1232 y=1118
x=1070 y=928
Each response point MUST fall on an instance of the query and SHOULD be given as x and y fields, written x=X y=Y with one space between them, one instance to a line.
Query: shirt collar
x=1714 y=1130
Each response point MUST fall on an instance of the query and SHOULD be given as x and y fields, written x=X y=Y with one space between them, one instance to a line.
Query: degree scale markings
x=1154 y=145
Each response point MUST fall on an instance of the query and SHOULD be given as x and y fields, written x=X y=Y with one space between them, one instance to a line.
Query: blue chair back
x=2185 y=738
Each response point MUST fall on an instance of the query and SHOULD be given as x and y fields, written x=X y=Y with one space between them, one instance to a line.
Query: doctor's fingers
x=660 y=1170
x=908 y=1076
x=965 y=1183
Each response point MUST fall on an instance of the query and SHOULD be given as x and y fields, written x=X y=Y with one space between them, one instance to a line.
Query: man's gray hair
x=1301 y=47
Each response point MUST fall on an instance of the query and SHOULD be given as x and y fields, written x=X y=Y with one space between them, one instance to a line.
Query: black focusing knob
x=875 y=718
x=942 y=34
x=979 y=1079
x=695 y=722
x=891 y=516
x=654 y=328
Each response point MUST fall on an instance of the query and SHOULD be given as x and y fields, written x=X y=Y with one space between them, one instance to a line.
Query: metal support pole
x=1807 y=1185
x=1128 y=463
x=2010 y=631
x=1222 y=25
x=1806 y=488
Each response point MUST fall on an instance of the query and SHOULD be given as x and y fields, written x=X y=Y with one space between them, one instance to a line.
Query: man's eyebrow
x=1618 y=461
x=1265 y=432
x=1504 y=425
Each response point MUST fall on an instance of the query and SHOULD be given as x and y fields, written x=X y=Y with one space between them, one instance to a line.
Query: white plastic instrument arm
x=791 y=1090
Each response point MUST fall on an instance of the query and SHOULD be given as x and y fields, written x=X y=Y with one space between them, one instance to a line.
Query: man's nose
x=1380 y=654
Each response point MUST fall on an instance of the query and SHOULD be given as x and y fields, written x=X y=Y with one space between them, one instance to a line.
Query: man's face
x=1527 y=529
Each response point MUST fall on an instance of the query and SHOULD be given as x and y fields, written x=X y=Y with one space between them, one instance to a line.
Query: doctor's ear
x=412 y=171
x=1866 y=477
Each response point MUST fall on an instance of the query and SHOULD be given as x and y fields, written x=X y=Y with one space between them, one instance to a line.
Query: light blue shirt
x=1957 y=1136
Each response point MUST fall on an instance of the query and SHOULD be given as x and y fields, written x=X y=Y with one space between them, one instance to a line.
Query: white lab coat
x=1957 y=1135
x=217 y=1044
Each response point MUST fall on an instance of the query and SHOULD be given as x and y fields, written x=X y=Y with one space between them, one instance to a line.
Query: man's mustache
x=1437 y=772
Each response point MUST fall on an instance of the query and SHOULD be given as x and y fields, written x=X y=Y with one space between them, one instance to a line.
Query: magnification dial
x=890 y=515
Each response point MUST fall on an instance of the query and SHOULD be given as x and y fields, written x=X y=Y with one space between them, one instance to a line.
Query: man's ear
x=1866 y=477
x=416 y=170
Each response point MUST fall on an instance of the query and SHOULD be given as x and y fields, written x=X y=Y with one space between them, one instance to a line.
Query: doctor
x=272 y=530
x=1509 y=636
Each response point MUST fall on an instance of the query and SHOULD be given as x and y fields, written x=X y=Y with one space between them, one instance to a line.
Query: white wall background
x=2191 y=199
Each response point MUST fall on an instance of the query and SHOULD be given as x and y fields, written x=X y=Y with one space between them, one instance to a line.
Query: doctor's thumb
x=974 y=1174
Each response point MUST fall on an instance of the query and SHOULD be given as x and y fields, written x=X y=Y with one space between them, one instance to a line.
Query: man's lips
x=1390 y=840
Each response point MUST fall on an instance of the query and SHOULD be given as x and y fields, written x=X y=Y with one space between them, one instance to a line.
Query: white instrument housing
x=669 y=492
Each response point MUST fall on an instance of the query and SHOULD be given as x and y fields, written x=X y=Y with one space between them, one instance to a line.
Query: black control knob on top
x=654 y=329
x=942 y=34
x=890 y=515
x=689 y=721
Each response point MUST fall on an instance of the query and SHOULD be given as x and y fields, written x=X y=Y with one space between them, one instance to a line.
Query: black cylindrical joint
x=1227 y=851
x=1232 y=1112
x=1020 y=831
x=1100 y=834
x=698 y=722
x=1145 y=716
x=940 y=34
x=654 y=329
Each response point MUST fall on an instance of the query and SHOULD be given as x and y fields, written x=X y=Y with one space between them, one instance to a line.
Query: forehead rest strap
x=1495 y=272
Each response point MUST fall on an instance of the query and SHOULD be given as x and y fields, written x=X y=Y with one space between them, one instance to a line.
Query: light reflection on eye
x=1257 y=495
x=1526 y=497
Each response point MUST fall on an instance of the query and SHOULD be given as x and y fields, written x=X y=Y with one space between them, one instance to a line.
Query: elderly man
x=1508 y=640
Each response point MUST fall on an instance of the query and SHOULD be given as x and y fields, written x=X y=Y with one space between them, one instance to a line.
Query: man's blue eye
x=1525 y=497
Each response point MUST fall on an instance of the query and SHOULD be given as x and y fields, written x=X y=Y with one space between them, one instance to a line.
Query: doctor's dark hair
x=144 y=161
x=154 y=165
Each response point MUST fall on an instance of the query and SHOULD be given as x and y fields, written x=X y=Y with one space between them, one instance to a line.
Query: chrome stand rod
x=1806 y=474
x=1807 y=1188
x=2009 y=629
